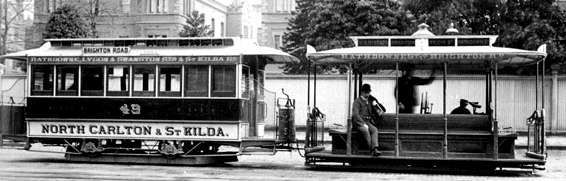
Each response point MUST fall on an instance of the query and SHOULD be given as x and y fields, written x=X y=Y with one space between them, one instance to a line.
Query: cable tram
x=438 y=141
x=147 y=100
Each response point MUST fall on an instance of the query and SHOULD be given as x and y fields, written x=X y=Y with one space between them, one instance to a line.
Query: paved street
x=22 y=165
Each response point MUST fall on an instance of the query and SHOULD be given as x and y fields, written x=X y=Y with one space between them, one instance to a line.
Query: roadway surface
x=21 y=165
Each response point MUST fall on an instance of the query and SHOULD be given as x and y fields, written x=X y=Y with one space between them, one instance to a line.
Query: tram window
x=92 y=81
x=245 y=82
x=170 y=81
x=118 y=81
x=144 y=81
x=42 y=80
x=223 y=81
x=67 y=80
x=196 y=84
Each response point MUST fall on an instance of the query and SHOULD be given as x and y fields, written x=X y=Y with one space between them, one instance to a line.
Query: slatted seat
x=423 y=134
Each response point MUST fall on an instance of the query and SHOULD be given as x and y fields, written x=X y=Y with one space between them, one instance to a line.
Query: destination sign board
x=373 y=42
x=473 y=42
x=137 y=59
x=106 y=50
x=441 y=42
x=402 y=42
x=133 y=130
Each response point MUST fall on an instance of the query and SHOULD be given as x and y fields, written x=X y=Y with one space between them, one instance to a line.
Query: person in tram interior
x=462 y=109
x=363 y=121
x=407 y=85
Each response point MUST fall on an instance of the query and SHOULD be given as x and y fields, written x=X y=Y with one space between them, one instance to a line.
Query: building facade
x=252 y=19
x=275 y=20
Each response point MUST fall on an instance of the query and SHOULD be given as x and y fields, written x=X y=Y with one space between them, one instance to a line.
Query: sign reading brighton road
x=106 y=50
x=133 y=130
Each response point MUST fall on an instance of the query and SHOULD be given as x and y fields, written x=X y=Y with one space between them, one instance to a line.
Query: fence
x=516 y=96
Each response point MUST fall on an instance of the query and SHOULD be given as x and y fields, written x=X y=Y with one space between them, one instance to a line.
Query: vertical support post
x=349 y=122
x=356 y=91
x=360 y=83
x=543 y=113
x=307 y=132
x=445 y=145
x=2 y=103
x=397 y=110
x=314 y=86
x=495 y=123
x=253 y=98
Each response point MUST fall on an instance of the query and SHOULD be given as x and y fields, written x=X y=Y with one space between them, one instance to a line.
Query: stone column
x=554 y=99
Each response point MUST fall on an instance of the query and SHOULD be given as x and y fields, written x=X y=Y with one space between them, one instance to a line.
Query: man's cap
x=366 y=88
x=464 y=101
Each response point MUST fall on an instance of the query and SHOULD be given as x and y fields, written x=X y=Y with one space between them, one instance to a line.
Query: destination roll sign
x=408 y=42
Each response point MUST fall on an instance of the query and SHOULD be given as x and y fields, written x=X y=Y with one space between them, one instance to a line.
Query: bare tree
x=11 y=16
x=95 y=10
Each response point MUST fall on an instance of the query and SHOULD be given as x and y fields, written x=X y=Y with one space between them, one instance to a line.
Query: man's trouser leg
x=367 y=135
x=374 y=139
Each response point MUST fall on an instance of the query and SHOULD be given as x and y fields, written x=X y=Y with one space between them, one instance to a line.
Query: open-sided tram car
x=147 y=100
x=430 y=141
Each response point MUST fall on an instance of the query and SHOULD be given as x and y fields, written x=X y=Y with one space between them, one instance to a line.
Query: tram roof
x=152 y=47
x=455 y=50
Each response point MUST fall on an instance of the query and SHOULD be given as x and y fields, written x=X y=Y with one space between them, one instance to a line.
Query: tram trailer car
x=432 y=141
x=144 y=100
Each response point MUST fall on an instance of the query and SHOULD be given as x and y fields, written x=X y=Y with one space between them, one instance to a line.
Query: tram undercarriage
x=174 y=152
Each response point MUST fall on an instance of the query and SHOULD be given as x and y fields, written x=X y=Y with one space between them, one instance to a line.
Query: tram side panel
x=54 y=119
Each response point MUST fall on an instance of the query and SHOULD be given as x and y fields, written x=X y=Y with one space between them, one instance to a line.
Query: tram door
x=256 y=102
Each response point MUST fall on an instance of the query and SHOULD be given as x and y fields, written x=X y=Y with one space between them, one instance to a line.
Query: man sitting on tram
x=363 y=121
x=462 y=109
x=407 y=85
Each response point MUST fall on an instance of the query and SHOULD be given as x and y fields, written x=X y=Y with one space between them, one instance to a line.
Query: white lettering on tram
x=434 y=56
x=106 y=50
x=125 y=130
x=133 y=59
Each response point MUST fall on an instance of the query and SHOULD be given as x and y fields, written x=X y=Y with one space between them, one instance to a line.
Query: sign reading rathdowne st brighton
x=431 y=56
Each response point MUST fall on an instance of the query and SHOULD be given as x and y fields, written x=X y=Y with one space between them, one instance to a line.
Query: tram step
x=257 y=151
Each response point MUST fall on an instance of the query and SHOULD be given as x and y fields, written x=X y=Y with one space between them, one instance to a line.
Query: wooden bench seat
x=423 y=135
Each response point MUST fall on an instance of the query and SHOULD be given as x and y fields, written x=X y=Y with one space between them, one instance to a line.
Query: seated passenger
x=462 y=109
x=362 y=119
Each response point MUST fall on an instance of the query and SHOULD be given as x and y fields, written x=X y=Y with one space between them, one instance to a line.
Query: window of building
x=92 y=81
x=196 y=84
x=221 y=29
x=170 y=81
x=285 y=5
x=67 y=80
x=277 y=41
x=223 y=81
x=213 y=27
x=42 y=80
x=118 y=81
x=246 y=32
x=144 y=81
x=52 y=5
x=125 y=6
x=157 y=6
